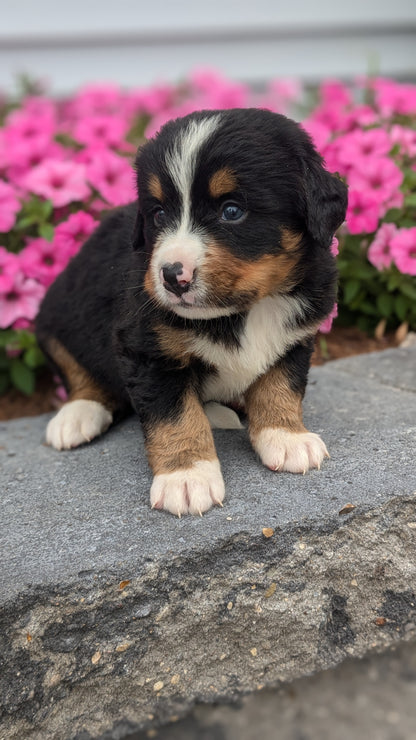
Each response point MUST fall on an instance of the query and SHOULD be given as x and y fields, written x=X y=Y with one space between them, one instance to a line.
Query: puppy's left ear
x=326 y=202
x=137 y=238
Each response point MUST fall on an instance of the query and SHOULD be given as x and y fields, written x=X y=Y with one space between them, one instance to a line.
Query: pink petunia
x=113 y=177
x=21 y=301
x=363 y=212
x=394 y=97
x=334 y=246
x=405 y=138
x=217 y=91
x=42 y=261
x=9 y=265
x=359 y=144
x=378 y=175
x=28 y=134
x=71 y=234
x=102 y=131
x=60 y=182
x=319 y=133
x=403 y=250
x=379 y=253
x=326 y=325
x=9 y=206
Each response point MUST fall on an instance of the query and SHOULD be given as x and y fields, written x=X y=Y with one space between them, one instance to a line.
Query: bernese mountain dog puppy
x=205 y=292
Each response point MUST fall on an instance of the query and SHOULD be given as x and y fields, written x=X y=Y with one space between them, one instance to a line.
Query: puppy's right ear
x=137 y=239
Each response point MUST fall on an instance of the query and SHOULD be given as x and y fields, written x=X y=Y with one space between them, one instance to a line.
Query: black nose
x=174 y=279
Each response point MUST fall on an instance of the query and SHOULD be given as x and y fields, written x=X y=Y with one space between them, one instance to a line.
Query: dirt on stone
x=341 y=342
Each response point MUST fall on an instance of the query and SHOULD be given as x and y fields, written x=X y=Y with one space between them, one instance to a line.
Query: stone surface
x=371 y=697
x=114 y=616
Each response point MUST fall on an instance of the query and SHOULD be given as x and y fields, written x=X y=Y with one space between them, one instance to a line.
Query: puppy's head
x=230 y=204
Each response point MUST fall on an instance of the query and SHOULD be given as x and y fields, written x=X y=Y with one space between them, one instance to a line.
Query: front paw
x=190 y=491
x=294 y=452
x=77 y=422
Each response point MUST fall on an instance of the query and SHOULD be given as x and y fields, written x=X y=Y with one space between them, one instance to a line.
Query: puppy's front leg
x=274 y=409
x=181 y=453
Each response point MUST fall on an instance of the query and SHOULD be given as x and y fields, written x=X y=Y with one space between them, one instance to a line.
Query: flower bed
x=64 y=162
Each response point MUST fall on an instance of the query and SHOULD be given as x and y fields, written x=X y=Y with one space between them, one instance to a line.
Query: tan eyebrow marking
x=155 y=187
x=222 y=182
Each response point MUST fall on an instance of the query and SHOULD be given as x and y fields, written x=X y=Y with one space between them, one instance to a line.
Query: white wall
x=137 y=42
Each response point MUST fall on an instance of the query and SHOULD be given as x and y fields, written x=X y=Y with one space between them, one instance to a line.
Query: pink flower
x=42 y=261
x=334 y=246
x=319 y=133
x=405 y=138
x=378 y=175
x=9 y=265
x=379 y=253
x=21 y=301
x=102 y=131
x=363 y=212
x=403 y=250
x=393 y=97
x=280 y=95
x=150 y=101
x=217 y=91
x=113 y=177
x=60 y=182
x=9 y=206
x=71 y=234
x=359 y=144
x=28 y=133
x=326 y=325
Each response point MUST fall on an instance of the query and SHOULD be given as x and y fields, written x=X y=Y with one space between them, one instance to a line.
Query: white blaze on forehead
x=181 y=160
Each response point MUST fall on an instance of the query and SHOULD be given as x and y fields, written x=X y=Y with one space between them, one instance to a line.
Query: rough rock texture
x=114 y=616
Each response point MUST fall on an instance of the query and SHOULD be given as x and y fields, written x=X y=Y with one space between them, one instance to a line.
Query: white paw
x=77 y=422
x=295 y=452
x=222 y=417
x=190 y=491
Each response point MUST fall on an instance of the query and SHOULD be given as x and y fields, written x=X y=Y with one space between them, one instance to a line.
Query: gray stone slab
x=212 y=607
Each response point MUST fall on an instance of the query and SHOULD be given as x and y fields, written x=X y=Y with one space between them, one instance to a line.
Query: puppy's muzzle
x=176 y=278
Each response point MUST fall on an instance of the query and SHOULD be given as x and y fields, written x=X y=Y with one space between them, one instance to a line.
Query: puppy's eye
x=232 y=212
x=159 y=217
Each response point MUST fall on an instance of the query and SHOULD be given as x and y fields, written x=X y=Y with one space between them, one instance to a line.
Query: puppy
x=208 y=290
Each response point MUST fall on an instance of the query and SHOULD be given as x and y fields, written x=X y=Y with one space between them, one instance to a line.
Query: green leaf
x=350 y=290
x=46 y=231
x=392 y=215
x=410 y=179
x=410 y=200
x=7 y=336
x=34 y=357
x=408 y=290
x=25 y=339
x=47 y=209
x=401 y=307
x=385 y=304
x=22 y=377
x=25 y=222
x=368 y=308
x=4 y=382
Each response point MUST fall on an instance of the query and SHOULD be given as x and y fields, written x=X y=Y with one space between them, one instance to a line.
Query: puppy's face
x=230 y=202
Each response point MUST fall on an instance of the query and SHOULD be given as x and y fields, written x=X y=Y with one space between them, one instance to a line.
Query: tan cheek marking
x=176 y=445
x=155 y=187
x=222 y=182
x=270 y=402
x=81 y=385
x=148 y=284
x=174 y=343
x=290 y=240
x=224 y=273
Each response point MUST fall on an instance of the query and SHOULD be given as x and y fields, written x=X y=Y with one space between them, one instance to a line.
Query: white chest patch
x=265 y=338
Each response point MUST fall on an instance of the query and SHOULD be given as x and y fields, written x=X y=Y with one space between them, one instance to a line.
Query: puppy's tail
x=222 y=417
